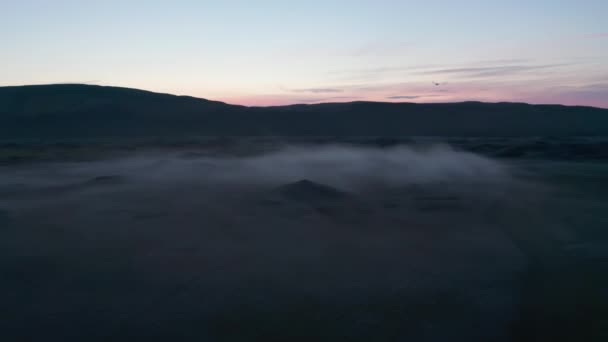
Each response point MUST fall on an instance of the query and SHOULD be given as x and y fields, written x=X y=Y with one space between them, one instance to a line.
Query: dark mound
x=309 y=191
x=105 y=180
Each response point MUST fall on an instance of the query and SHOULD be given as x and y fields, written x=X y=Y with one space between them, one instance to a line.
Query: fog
x=348 y=167
x=410 y=242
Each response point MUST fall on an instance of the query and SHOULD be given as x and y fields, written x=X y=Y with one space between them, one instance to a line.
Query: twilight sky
x=278 y=52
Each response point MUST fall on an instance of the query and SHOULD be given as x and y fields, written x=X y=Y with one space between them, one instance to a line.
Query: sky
x=267 y=52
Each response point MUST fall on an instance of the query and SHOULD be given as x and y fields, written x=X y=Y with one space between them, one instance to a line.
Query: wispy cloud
x=379 y=70
x=502 y=61
x=315 y=90
x=328 y=99
x=403 y=97
x=405 y=68
x=285 y=99
x=479 y=69
x=411 y=97
x=500 y=70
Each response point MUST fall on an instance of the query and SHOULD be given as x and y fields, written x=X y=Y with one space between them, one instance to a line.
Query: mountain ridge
x=72 y=110
x=150 y=92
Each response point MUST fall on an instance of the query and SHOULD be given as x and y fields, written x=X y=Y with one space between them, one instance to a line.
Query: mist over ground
x=303 y=242
x=347 y=166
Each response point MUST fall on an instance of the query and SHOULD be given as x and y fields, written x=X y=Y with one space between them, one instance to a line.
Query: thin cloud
x=328 y=99
x=504 y=61
x=403 y=68
x=411 y=97
x=403 y=97
x=316 y=90
x=501 y=70
x=485 y=68
x=380 y=70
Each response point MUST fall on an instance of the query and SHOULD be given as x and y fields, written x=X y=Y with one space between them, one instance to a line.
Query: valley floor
x=188 y=247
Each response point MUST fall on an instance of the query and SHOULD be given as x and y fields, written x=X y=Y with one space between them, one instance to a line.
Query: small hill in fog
x=309 y=191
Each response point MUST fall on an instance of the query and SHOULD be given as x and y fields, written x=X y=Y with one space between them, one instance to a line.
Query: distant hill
x=68 y=111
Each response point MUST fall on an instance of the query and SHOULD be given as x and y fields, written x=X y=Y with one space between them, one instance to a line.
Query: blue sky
x=278 y=52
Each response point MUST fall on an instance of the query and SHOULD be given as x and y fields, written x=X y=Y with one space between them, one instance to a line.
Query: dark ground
x=321 y=243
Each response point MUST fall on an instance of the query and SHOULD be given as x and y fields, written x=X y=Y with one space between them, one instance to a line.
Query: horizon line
x=297 y=103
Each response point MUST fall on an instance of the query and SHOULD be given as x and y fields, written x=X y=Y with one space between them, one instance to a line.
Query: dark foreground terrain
x=293 y=243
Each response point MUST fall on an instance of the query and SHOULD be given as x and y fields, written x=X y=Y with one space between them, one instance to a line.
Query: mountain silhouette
x=67 y=111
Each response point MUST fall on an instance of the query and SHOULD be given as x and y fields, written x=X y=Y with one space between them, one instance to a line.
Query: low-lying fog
x=335 y=165
x=306 y=243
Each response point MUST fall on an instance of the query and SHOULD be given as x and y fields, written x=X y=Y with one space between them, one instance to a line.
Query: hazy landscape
x=284 y=171
x=267 y=236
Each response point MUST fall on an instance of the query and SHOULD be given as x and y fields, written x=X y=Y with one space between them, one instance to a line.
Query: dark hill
x=49 y=112
x=309 y=191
